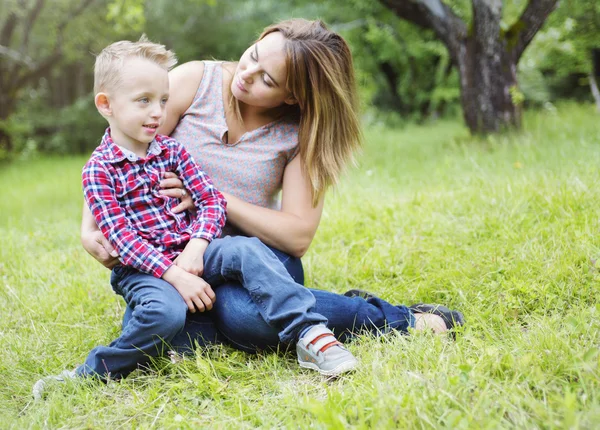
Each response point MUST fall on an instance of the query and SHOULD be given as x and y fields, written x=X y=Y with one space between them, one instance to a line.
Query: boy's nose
x=157 y=110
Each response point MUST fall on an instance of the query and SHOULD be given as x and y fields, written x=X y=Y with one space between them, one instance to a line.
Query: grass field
x=505 y=229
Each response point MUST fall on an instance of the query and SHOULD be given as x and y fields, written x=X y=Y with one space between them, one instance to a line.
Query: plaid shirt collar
x=114 y=153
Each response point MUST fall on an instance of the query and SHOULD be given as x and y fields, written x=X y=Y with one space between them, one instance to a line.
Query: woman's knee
x=238 y=319
x=242 y=245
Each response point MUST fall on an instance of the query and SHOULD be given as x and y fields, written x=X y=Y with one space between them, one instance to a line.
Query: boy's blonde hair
x=109 y=63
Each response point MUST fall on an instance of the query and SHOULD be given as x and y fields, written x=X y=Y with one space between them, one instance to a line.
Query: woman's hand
x=173 y=187
x=95 y=243
x=100 y=248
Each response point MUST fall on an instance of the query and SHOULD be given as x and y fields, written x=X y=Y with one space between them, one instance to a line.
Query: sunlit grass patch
x=503 y=228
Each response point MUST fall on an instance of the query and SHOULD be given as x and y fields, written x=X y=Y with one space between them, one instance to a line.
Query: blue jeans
x=235 y=319
x=158 y=312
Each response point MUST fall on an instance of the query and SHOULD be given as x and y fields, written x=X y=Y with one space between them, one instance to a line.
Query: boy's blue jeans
x=157 y=312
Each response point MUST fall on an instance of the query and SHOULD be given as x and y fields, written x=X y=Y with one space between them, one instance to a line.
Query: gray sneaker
x=319 y=350
x=40 y=386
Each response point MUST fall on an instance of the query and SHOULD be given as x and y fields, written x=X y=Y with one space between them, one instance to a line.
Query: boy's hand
x=191 y=258
x=196 y=293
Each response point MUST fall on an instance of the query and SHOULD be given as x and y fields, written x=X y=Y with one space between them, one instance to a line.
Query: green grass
x=505 y=229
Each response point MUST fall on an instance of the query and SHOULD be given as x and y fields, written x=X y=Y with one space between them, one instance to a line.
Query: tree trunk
x=391 y=78
x=6 y=144
x=485 y=55
x=595 y=91
x=595 y=73
x=488 y=82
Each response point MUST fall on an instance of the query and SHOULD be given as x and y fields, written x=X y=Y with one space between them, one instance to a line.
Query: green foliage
x=74 y=129
x=204 y=30
x=557 y=63
x=503 y=228
x=127 y=15
x=404 y=73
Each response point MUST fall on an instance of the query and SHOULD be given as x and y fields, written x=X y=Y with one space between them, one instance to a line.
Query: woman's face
x=261 y=74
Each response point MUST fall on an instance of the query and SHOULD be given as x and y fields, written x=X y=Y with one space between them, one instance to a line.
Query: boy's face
x=136 y=107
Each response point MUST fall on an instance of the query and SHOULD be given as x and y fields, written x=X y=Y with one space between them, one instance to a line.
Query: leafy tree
x=28 y=56
x=484 y=51
x=205 y=29
x=416 y=84
x=561 y=56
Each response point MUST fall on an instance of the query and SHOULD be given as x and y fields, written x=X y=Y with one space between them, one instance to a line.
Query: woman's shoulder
x=190 y=72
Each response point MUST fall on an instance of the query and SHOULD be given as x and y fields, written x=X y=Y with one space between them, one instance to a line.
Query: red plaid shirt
x=123 y=195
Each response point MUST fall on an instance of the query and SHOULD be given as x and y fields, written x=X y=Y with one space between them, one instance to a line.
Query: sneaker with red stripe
x=319 y=350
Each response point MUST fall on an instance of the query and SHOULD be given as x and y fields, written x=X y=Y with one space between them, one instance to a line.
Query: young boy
x=163 y=254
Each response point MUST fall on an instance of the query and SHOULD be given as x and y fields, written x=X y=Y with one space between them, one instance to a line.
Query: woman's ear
x=102 y=103
x=290 y=100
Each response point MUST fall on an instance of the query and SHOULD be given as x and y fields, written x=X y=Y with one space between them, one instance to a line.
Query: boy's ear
x=102 y=103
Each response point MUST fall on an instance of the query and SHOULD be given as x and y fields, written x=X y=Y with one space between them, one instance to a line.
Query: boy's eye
x=164 y=101
x=144 y=100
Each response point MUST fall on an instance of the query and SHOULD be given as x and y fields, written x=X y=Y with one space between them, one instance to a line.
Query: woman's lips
x=240 y=86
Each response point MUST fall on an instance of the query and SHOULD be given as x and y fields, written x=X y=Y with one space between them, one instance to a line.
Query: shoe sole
x=360 y=293
x=343 y=367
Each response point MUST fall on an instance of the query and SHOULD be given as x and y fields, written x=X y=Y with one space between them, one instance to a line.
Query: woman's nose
x=247 y=74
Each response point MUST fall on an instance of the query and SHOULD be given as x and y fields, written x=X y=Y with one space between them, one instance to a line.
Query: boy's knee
x=168 y=318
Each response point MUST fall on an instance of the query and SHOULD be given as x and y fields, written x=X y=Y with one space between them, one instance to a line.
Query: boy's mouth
x=150 y=127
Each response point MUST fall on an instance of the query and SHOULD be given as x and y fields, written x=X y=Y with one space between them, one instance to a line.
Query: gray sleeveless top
x=252 y=168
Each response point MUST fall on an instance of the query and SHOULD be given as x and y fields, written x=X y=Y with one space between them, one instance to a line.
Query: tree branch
x=7 y=29
x=33 y=15
x=40 y=70
x=532 y=19
x=74 y=14
x=18 y=80
x=16 y=56
x=434 y=15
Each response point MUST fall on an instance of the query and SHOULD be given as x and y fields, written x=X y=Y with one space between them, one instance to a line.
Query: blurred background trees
x=407 y=55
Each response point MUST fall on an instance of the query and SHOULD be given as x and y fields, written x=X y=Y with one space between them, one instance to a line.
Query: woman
x=285 y=117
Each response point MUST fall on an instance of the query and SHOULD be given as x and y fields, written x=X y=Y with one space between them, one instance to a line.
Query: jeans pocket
x=117 y=274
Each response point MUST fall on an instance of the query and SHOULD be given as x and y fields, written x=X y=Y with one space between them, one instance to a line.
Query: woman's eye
x=267 y=83
x=253 y=57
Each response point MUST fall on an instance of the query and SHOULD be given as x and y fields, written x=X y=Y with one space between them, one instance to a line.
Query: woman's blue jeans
x=235 y=319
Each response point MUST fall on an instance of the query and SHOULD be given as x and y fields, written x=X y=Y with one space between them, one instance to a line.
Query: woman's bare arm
x=291 y=229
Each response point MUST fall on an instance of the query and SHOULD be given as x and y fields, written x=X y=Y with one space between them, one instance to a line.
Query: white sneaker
x=319 y=350
x=40 y=386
